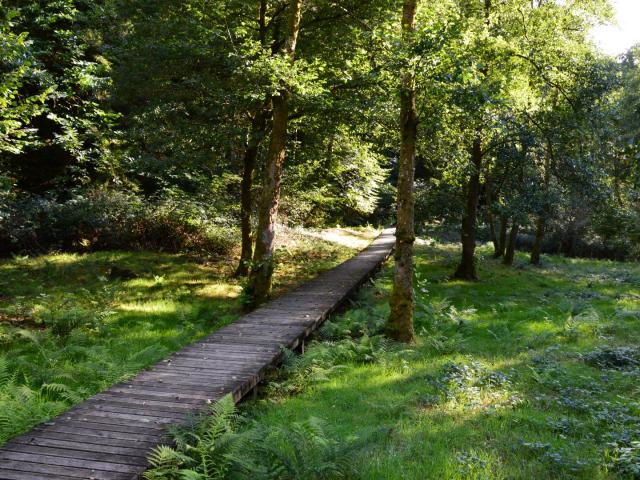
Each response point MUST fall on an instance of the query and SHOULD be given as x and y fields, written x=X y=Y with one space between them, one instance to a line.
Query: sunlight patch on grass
x=219 y=290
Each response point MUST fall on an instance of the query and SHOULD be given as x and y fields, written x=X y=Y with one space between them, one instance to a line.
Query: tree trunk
x=502 y=240
x=400 y=324
x=511 y=246
x=255 y=136
x=467 y=268
x=258 y=127
x=490 y=218
x=536 y=249
x=259 y=285
x=492 y=233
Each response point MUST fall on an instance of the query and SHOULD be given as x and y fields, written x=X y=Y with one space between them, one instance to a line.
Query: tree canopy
x=526 y=135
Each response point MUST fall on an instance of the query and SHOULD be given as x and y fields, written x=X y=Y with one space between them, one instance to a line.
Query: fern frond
x=191 y=475
x=5 y=375
x=165 y=457
x=59 y=391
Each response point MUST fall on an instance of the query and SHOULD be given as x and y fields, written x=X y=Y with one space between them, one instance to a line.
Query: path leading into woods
x=110 y=435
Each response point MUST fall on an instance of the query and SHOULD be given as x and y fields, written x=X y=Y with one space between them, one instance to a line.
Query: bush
x=216 y=448
x=110 y=220
x=581 y=247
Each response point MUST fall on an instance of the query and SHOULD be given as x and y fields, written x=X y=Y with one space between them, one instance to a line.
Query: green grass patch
x=72 y=325
x=530 y=373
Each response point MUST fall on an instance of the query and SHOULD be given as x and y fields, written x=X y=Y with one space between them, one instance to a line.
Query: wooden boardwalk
x=109 y=436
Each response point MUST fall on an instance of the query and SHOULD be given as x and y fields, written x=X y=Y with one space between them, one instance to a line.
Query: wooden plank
x=187 y=377
x=57 y=472
x=141 y=418
x=209 y=352
x=232 y=348
x=101 y=431
x=115 y=425
x=213 y=359
x=79 y=437
x=6 y=454
x=131 y=409
x=148 y=425
x=8 y=474
x=196 y=368
x=193 y=388
x=157 y=405
x=149 y=393
x=137 y=459
x=201 y=392
x=127 y=449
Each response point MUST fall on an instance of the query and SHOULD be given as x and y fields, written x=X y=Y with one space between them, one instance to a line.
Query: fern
x=59 y=391
x=205 y=451
x=166 y=463
x=301 y=450
x=5 y=375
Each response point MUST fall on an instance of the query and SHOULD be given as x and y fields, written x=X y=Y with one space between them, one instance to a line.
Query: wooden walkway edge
x=109 y=436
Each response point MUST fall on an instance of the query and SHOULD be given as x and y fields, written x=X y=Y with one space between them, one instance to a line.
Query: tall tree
x=254 y=139
x=467 y=268
x=259 y=285
x=400 y=325
x=541 y=221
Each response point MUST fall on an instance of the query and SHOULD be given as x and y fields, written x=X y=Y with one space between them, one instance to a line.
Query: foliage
x=160 y=99
x=542 y=383
x=206 y=452
x=215 y=449
x=110 y=220
x=55 y=85
x=16 y=111
x=71 y=325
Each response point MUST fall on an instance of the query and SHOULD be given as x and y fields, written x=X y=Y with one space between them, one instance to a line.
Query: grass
x=72 y=325
x=529 y=373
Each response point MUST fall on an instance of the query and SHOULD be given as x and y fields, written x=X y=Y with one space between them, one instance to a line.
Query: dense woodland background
x=149 y=149
x=145 y=124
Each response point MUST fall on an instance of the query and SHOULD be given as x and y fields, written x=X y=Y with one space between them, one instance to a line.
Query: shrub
x=217 y=448
x=110 y=220
x=614 y=358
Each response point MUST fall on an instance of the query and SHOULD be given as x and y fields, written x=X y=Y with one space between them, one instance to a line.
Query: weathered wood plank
x=85 y=438
x=57 y=472
x=67 y=462
x=21 y=475
x=72 y=428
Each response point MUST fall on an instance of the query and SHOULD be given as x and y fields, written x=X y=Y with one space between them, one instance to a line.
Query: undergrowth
x=72 y=325
x=530 y=373
x=224 y=445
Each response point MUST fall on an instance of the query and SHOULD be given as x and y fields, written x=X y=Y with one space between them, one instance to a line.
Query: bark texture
x=541 y=223
x=467 y=268
x=502 y=239
x=259 y=285
x=254 y=139
x=400 y=324
x=256 y=135
x=536 y=249
x=511 y=246
x=491 y=219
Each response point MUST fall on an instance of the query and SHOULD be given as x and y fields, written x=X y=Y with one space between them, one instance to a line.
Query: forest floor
x=533 y=372
x=71 y=325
